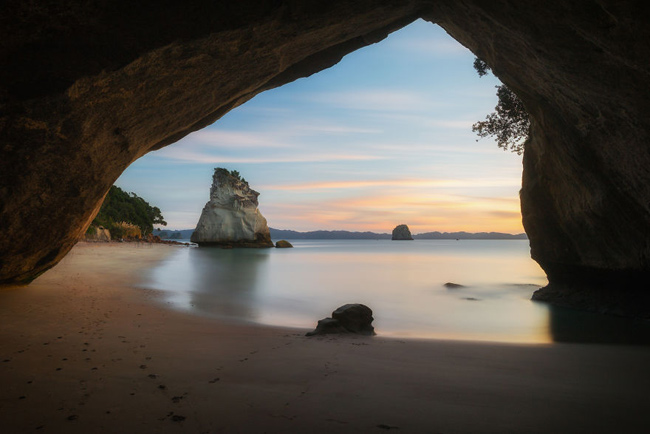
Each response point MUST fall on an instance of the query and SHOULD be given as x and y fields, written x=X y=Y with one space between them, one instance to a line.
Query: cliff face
x=83 y=95
x=231 y=217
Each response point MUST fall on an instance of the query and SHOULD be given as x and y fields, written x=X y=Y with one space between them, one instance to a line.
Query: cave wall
x=582 y=70
x=89 y=87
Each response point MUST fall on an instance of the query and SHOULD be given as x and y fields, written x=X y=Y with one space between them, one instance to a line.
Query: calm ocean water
x=401 y=281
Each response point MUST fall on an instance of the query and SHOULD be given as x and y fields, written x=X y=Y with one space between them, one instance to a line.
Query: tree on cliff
x=120 y=206
x=509 y=123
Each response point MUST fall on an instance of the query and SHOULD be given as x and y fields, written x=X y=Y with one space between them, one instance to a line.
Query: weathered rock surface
x=283 y=244
x=350 y=318
x=327 y=326
x=98 y=234
x=86 y=88
x=231 y=216
x=402 y=232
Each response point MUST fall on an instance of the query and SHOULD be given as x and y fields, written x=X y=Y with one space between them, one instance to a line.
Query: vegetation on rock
x=127 y=215
x=234 y=173
x=509 y=123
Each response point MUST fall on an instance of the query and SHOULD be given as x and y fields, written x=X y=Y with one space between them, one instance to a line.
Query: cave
x=89 y=87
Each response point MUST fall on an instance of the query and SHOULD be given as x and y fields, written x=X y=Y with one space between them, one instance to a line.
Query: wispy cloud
x=374 y=100
x=236 y=139
x=427 y=46
x=335 y=185
x=278 y=136
x=180 y=154
x=381 y=212
x=453 y=124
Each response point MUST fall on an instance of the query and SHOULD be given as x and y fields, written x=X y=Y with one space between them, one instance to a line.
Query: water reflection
x=213 y=281
x=226 y=281
x=403 y=283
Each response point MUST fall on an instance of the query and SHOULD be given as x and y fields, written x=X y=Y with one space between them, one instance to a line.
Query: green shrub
x=121 y=207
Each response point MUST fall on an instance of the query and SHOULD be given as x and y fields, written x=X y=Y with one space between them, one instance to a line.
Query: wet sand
x=83 y=350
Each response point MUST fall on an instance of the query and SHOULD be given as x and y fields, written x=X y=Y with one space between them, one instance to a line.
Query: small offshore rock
x=350 y=318
x=283 y=244
x=402 y=232
x=450 y=285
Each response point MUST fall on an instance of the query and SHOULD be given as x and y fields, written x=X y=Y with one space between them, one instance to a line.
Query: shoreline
x=83 y=349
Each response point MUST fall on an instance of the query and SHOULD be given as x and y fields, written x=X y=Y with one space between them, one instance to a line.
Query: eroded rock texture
x=87 y=88
x=231 y=217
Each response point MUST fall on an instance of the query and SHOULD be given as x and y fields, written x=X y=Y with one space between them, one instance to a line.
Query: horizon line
x=361 y=231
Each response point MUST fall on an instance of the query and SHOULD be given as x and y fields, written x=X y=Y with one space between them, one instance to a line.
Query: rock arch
x=88 y=87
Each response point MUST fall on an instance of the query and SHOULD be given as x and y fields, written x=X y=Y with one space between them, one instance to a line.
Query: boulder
x=402 y=232
x=328 y=326
x=97 y=234
x=350 y=318
x=283 y=244
x=231 y=218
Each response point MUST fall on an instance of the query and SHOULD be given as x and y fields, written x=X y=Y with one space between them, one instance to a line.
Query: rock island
x=231 y=218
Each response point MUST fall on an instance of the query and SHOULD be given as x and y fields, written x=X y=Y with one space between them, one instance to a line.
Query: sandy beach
x=84 y=350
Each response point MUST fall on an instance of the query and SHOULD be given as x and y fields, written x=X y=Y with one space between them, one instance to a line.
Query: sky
x=380 y=139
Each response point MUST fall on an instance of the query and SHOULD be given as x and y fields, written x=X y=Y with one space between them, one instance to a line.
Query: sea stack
x=402 y=232
x=231 y=218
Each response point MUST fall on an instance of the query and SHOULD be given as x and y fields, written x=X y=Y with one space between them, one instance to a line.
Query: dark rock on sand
x=328 y=326
x=349 y=318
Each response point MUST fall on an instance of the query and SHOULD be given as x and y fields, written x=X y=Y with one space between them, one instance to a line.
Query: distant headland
x=278 y=234
x=347 y=235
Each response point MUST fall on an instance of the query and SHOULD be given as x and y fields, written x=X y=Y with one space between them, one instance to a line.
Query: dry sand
x=84 y=351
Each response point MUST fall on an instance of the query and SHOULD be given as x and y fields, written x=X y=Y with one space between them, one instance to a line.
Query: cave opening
x=382 y=138
x=116 y=95
x=351 y=148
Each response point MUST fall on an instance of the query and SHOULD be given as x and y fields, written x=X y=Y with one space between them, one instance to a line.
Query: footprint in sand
x=387 y=427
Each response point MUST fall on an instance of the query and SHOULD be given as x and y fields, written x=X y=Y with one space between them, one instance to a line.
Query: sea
x=405 y=283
